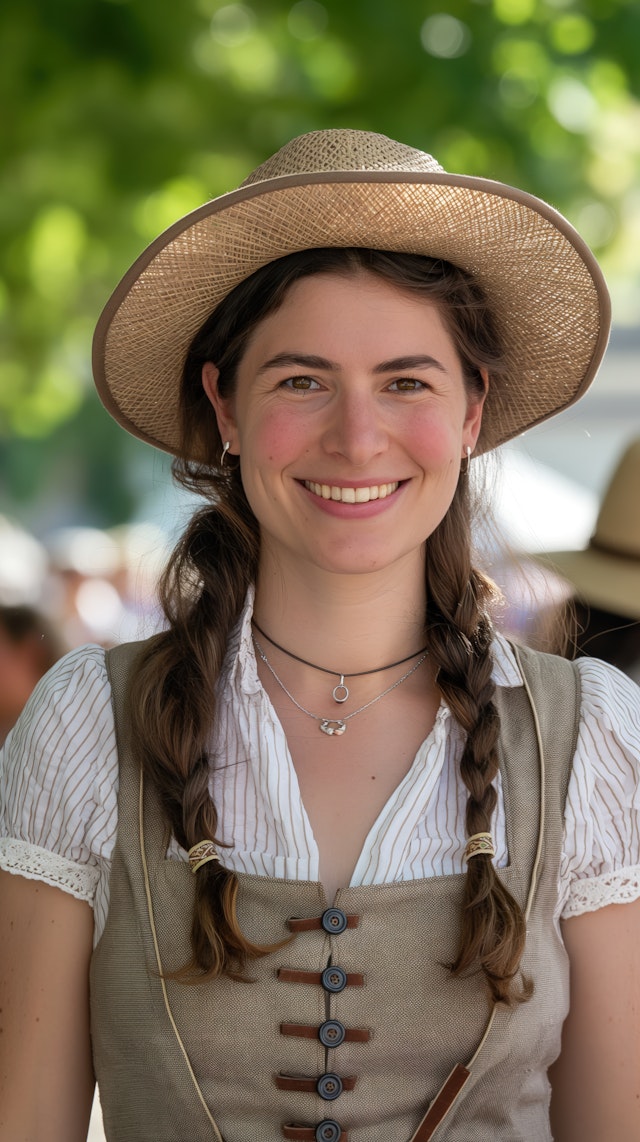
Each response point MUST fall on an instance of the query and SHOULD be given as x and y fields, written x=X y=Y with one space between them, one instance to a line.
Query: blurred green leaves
x=121 y=115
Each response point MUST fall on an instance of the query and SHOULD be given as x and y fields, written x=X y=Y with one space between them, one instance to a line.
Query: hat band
x=614 y=552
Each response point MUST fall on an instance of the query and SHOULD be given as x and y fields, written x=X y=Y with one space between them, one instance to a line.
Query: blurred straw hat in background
x=606 y=574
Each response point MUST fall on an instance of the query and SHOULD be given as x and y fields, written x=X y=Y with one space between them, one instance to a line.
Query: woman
x=332 y=835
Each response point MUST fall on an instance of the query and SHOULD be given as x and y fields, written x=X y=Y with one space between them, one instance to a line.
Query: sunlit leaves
x=445 y=36
x=50 y=401
x=462 y=151
x=121 y=115
x=308 y=20
x=571 y=103
x=159 y=210
x=572 y=34
x=330 y=70
x=55 y=247
x=514 y=11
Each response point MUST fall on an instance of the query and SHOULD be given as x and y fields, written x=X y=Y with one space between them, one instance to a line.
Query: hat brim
x=599 y=578
x=542 y=282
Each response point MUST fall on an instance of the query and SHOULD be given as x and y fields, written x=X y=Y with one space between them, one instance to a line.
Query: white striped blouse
x=59 y=788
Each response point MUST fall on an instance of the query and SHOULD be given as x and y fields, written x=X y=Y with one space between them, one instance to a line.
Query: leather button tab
x=334 y=979
x=329 y=1086
x=331 y=1033
x=328 y=1131
x=334 y=920
x=336 y=1032
x=315 y=923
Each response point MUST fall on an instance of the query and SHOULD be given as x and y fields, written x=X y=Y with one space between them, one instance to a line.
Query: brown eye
x=300 y=384
x=407 y=385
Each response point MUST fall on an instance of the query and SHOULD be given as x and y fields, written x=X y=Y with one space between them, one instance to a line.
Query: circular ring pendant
x=340 y=692
x=332 y=728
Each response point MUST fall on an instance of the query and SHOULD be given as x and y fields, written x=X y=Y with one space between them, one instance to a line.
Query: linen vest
x=358 y=1052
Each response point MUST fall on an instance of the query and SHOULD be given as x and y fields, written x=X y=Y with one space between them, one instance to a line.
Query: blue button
x=334 y=979
x=328 y=1131
x=331 y=1033
x=334 y=920
x=329 y=1086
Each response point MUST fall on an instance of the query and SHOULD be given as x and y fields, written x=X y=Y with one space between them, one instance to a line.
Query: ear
x=473 y=418
x=222 y=406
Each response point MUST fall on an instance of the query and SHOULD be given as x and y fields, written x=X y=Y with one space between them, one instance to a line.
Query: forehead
x=357 y=312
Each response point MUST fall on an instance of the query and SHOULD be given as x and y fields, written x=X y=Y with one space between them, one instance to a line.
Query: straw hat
x=355 y=188
x=607 y=572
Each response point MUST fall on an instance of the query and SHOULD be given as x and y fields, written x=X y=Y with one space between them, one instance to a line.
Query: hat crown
x=618 y=526
x=342 y=150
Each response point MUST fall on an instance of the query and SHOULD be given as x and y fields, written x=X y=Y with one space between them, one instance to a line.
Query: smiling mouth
x=351 y=495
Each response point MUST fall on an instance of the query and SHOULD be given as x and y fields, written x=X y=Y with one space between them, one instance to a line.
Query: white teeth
x=351 y=495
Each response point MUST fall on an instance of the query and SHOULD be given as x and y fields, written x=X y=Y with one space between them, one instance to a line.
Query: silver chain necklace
x=340 y=691
x=335 y=727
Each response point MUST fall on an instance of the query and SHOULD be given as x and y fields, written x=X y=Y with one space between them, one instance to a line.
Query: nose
x=356 y=430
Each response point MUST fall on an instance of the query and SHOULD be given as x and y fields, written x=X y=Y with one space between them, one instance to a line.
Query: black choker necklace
x=340 y=692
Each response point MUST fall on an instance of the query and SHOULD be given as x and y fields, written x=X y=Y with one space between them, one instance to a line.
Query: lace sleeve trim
x=591 y=893
x=36 y=863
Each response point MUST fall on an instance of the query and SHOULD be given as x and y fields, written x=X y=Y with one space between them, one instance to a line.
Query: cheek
x=435 y=442
x=275 y=440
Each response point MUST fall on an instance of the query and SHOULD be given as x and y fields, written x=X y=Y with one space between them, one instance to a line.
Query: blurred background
x=121 y=115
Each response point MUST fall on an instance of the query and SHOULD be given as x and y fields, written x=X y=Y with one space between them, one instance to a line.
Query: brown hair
x=204 y=589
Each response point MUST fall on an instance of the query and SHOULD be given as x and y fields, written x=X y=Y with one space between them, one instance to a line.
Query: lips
x=351 y=495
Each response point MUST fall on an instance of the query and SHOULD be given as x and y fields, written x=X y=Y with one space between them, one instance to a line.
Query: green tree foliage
x=120 y=115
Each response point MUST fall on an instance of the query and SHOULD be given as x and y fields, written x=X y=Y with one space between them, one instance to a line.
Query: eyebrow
x=310 y=361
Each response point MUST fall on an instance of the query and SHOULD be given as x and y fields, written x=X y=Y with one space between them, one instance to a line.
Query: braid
x=173 y=707
x=460 y=634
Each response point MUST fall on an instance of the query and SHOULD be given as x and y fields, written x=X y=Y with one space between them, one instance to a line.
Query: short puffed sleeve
x=601 y=851
x=59 y=779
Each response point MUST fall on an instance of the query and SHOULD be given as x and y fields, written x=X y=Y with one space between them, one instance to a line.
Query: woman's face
x=350 y=417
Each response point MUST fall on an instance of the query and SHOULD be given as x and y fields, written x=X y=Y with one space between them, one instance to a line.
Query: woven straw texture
x=352 y=188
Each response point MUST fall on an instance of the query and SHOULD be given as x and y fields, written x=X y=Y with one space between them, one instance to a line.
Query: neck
x=349 y=623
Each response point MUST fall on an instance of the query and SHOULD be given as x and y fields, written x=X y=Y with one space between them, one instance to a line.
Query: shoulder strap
x=553 y=688
x=119 y=662
x=538 y=734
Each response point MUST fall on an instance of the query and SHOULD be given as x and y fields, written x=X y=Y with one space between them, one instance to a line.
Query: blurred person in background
x=24 y=566
x=29 y=646
x=302 y=865
x=102 y=583
x=601 y=615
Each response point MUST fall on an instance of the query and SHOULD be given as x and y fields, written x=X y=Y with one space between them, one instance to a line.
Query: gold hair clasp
x=480 y=844
x=201 y=853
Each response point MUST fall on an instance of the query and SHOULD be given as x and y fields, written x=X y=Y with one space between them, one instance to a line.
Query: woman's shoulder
x=87 y=662
x=601 y=859
x=75 y=684
x=60 y=757
x=607 y=691
x=608 y=751
x=604 y=690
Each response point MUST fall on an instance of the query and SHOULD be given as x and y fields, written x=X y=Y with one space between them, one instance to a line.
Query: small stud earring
x=464 y=467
